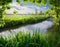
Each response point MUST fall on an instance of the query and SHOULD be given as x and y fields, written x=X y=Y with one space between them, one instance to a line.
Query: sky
x=29 y=7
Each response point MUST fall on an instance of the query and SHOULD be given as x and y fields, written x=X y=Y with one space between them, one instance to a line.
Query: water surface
x=42 y=27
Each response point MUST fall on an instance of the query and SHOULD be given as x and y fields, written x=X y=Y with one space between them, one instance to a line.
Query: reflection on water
x=42 y=27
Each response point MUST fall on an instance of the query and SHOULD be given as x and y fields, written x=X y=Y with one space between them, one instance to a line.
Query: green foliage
x=8 y=7
x=18 y=1
x=36 y=39
x=55 y=10
x=55 y=3
x=23 y=40
x=4 y=2
x=25 y=1
x=22 y=20
x=38 y=2
x=43 y=2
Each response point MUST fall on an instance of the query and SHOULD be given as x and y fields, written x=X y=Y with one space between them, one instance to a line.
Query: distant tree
x=3 y=4
x=56 y=6
x=25 y=1
x=43 y=2
x=18 y=1
x=38 y=2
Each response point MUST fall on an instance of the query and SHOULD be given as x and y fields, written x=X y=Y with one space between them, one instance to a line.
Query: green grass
x=27 y=40
x=14 y=20
x=24 y=40
x=19 y=17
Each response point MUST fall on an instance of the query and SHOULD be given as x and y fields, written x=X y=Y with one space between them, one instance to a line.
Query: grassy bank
x=11 y=20
x=26 y=40
x=37 y=39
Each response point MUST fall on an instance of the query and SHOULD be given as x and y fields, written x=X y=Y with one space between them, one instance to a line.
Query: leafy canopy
x=55 y=3
x=4 y=2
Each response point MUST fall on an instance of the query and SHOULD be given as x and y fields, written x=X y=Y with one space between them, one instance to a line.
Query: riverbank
x=16 y=20
x=21 y=39
x=41 y=26
x=26 y=40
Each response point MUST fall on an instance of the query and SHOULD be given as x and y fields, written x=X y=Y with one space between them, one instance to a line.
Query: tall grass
x=23 y=40
x=37 y=39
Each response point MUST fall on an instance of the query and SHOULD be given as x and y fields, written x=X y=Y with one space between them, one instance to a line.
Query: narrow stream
x=42 y=27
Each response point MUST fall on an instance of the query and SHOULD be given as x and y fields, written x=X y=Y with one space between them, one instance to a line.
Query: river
x=41 y=27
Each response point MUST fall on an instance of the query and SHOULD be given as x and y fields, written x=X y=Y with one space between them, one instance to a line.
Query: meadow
x=15 y=20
